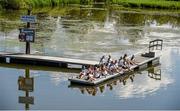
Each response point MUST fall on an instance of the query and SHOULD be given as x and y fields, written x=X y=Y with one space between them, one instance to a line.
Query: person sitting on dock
x=97 y=72
x=102 y=60
x=91 y=71
x=111 y=68
x=117 y=68
x=108 y=60
x=114 y=68
x=91 y=77
x=103 y=70
x=83 y=73
x=126 y=61
x=132 y=60
x=121 y=63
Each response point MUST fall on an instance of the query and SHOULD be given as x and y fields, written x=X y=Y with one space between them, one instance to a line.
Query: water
x=88 y=34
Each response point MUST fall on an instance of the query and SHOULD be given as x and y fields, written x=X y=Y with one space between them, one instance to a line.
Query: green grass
x=17 y=4
x=160 y=4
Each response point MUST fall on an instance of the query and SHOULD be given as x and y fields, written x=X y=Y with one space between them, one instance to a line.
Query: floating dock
x=143 y=62
x=18 y=58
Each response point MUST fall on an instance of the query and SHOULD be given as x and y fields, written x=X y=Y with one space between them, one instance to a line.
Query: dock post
x=64 y=65
x=27 y=42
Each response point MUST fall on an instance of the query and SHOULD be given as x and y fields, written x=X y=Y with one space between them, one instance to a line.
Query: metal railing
x=155 y=45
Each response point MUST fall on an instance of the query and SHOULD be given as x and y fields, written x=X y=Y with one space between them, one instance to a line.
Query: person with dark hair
x=120 y=62
x=117 y=68
x=104 y=70
x=111 y=68
x=108 y=60
x=132 y=60
x=83 y=73
x=126 y=62
x=102 y=60
x=91 y=77
x=97 y=72
x=121 y=65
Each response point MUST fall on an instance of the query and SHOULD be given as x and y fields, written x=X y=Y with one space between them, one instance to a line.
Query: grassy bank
x=159 y=4
x=19 y=4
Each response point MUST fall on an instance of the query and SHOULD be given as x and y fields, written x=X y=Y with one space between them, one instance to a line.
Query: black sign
x=27 y=35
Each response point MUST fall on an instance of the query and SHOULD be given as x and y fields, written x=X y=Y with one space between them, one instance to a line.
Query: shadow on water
x=153 y=73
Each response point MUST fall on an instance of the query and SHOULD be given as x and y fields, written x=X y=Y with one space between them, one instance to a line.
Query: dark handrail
x=155 y=44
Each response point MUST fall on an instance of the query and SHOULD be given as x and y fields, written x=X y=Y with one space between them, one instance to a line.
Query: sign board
x=8 y=59
x=27 y=35
x=28 y=18
x=26 y=100
x=26 y=84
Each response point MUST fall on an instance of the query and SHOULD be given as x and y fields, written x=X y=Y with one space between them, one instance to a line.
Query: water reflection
x=50 y=89
x=127 y=86
x=154 y=73
x=88 y=33
x=93 y=90
x=26 y=84
x=101 y=88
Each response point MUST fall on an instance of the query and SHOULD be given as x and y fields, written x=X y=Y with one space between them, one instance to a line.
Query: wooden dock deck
x=42 y=60
x=19 y=58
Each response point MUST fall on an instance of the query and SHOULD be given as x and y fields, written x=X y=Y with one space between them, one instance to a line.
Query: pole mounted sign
x=28 y=18
x=27 y=35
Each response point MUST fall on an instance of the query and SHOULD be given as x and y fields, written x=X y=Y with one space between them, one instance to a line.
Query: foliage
x=10 y=4
x=160 y=4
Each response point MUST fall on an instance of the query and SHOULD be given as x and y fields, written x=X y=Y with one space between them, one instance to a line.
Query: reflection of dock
x=154 y=73
x=93 y=90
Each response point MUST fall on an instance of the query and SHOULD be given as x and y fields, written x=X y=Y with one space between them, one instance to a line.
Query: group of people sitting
x=106 y=67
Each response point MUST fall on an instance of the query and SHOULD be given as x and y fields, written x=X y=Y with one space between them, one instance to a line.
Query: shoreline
x=149 y=4
x=141 y=4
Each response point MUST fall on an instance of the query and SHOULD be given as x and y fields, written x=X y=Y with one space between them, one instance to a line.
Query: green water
x=87 y=33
